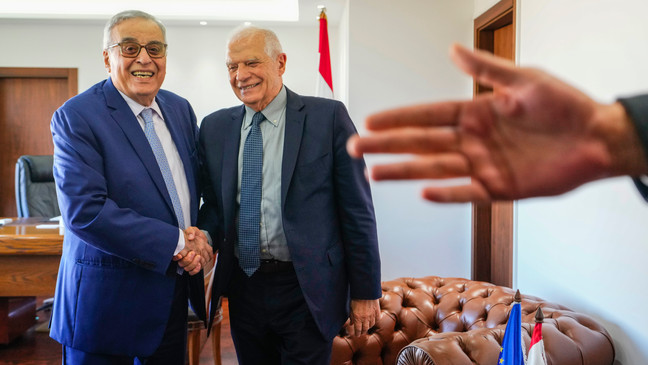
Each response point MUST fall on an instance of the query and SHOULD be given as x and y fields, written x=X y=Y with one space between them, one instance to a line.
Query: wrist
x=616 y=129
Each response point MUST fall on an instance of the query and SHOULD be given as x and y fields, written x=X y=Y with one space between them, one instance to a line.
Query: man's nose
x=143 y=56
x=242 y=73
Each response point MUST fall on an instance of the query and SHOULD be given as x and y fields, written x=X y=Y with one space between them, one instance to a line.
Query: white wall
x=587 y=249
x=482 y=5
x=398 y=54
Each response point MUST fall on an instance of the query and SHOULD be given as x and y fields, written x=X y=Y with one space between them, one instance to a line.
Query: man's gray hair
x=125 y=15
x=272 y=45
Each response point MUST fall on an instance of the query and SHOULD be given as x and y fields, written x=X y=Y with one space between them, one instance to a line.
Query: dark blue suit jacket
x=637 y=109
x=116 y=277
x=327 y=210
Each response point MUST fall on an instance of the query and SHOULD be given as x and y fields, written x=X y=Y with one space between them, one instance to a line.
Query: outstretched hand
x=533 y=136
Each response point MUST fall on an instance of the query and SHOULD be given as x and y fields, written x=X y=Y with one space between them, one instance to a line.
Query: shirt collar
x=137 y=108
x=272 y=112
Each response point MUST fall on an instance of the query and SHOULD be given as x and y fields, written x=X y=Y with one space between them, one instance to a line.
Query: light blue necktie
x=156 y=146
x=249 y=227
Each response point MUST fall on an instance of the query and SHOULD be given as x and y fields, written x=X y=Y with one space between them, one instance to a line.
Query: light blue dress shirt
x=273 y=239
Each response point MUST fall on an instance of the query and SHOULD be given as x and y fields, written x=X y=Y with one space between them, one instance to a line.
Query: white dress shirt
x=173 y=157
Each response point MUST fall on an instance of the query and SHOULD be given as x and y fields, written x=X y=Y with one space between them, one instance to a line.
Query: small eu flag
x=511 y=352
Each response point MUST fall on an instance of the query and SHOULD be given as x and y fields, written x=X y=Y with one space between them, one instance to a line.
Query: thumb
x=485 y=67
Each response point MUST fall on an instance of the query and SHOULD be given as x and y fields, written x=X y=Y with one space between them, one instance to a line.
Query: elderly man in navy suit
x=289 y=211
x=126 y=165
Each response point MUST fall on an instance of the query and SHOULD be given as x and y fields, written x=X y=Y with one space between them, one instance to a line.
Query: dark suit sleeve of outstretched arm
x=637 y=109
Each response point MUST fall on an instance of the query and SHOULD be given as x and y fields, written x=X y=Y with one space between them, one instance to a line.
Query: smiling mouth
x=142 y=74
x=245 y=88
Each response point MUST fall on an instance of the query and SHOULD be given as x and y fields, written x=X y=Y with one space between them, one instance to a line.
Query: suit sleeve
x=637 y=109
x=356 y=212
x=80 y=168
x=208 y=218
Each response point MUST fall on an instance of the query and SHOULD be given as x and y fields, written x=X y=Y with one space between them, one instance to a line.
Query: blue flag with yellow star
x=511 y=352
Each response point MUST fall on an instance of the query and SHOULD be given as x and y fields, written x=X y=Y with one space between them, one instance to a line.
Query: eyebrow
x=131 y=39
x=243 y=61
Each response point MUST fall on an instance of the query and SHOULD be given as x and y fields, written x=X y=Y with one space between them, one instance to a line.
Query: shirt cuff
x=181 y=243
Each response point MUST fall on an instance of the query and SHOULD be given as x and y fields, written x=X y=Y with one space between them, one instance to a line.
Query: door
x=28 y=98
x=492 y=241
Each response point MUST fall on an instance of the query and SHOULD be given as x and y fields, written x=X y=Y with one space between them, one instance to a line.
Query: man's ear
x=106 y=58
x=282 y=63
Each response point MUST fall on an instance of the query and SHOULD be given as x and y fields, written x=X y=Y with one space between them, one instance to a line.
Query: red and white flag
x=536 y=350
x=324 y=79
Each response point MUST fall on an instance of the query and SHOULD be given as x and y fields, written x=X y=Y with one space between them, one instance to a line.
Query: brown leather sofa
x=454 y=321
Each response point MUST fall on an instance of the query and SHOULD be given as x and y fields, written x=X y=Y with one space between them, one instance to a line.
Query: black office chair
x=35 y=187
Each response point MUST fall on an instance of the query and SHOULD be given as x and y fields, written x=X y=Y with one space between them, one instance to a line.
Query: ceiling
x=187 y=12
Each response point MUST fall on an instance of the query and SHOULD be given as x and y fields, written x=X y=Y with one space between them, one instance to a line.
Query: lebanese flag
x=324 y=79
x=536 y=351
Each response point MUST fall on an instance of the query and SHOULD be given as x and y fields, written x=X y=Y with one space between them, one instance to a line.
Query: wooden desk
x=29 y=262
x=29 y=258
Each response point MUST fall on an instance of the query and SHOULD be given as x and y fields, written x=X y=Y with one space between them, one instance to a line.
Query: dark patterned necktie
x=251 y=187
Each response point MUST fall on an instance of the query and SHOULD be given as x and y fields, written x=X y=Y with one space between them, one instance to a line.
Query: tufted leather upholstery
x=35 y=188
x=454 y=321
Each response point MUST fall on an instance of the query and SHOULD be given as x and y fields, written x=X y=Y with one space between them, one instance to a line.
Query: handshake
x=197 y=252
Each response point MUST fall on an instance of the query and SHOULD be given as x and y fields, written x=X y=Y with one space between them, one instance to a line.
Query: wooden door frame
x=492 y=224
x=50 y=73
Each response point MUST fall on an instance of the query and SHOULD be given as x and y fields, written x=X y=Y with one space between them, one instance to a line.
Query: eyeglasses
x=132 y=49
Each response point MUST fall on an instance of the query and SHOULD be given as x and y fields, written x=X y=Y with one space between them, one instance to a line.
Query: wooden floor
x=37 y=348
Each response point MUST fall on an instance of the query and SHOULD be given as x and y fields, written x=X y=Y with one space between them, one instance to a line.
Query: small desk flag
x=536 y=351
x=511 y=352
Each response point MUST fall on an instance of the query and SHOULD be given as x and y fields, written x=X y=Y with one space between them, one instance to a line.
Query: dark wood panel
x=504 y=39
x=28 y=98
x=28 y=275
x=502 y=243
x=16 y=317
x=481 y=242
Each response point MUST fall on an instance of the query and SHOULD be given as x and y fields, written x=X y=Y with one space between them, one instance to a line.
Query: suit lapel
x=295 y=118
x=124 y=117
x=172 y=120
x=232 y=133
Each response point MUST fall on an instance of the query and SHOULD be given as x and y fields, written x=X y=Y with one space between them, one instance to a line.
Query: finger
x=486 y=68
x=473 y=192
x=193 y=264
x=357 y=328
x=187 y=260
x=443 y=166
x=364 y=328
x=196 y=270
x=424 y=115
x=407 y=140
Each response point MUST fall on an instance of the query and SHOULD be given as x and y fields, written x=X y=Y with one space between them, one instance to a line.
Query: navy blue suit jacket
x=327 y=211
x=637 y=109
x=116 y=278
